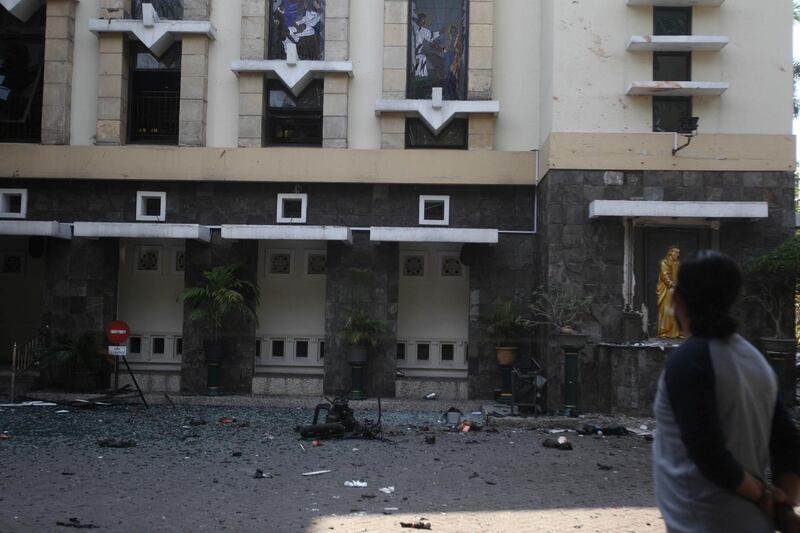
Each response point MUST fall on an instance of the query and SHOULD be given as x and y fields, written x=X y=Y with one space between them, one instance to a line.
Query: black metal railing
x=154 y=117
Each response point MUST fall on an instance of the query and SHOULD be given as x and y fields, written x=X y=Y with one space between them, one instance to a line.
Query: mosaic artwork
x=438 y=48
x=165 y=9
x=300 y=24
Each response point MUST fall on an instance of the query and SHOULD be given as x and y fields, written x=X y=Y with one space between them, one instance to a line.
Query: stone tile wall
x=112 y=94
x=251 y=85
x=58 y=49
x=335 y=100
x=194 y=90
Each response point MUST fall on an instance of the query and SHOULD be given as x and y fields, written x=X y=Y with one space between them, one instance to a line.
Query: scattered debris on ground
x=420 y=523
x=260 y=474
x=4 y=436
x=387 y=490
x=608 y=431
x=340 y=421
x=355 y=484
x=75 y=523
x=430 y=439
x=317 y=472
x=561 y=444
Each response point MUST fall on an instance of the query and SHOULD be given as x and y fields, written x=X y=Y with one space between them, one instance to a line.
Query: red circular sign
x=117 y=332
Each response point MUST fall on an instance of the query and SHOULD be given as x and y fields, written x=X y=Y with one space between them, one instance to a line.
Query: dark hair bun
x=709 y=284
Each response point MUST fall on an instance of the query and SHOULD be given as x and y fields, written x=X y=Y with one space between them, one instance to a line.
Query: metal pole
x=13 y=372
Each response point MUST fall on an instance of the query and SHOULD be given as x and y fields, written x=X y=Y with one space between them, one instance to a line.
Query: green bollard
x=213 y=383
x=571 y=380
x=357 y=388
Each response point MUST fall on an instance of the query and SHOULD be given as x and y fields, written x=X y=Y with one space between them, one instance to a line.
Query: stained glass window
x=165 y=9
x=437 y=48
x=297 y=24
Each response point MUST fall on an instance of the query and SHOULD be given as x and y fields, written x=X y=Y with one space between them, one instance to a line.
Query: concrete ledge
x=460 y=235
x=319 y=165
x=295 y=76
x=287 y=385
x=287 y=232
x=35 y=228
x=156 y=35
x=437 y=114
x=445 y=389
x=670 y=210
x=677 y=88
x=142 y=230
x=676 y=43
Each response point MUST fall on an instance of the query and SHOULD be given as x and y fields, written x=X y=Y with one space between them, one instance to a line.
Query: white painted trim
x=676 y=43
x=141 y=196
x=22 y=9
x=158 y=35
x=303 y=197
x=295 y=76
x=676 y=88
x=676 y=3
x=35 y=228
x=23 y=204
x=289 y=233
x=142 y=230
x=437 y=118
x=670 y=210
x=462 y=235
x=423 y=198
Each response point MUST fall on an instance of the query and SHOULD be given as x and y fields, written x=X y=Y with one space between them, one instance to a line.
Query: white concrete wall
x=592 y=67
x=147 y=301
x=291 y=304
x=223 y=85
x=366 y=53
x=432 y=307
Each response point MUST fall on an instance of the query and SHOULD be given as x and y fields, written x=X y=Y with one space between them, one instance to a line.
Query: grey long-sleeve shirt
x=718 y=415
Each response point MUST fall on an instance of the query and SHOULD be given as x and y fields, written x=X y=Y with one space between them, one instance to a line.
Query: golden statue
x=667 y=326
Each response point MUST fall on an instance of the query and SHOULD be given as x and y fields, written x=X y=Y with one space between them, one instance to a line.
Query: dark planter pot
x=571 y=341
x=357 y=355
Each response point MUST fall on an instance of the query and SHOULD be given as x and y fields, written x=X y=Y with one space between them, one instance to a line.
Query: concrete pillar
x=395 y=53
x=196 y=9
x=480 y=69
x=194 y=90
x=335 y=99
x=112 y=94
x=251 y=86
x=58 y=48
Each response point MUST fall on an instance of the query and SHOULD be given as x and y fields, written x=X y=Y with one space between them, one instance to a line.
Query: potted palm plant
x=78 y=361
x=361 y=333
x=506 y=327
x=221 y=295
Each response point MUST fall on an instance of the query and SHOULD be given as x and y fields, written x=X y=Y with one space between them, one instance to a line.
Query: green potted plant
x=77 y=360
x=361 y=333
x=775 y=278
x=221 y=295
x=505 y=328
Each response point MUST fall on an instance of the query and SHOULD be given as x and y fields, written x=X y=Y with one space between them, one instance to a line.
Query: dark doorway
x=155 y=95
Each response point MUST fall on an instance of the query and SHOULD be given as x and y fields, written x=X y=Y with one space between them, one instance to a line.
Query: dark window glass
x=258 y=348
x=301 y=349
x=454 y=136
x=672 y=21
x=155 y=87
x=437 y=48
x=434 y=210
x=292 y=208
x=672 y=66
x=178 y=346
x=448 y=352
x=400 y=351
x=277 y=348
x=166 y=9
x=322 y=349
x=135 y=344
x=299 y=23
x=423 y=352
x=669 y=111
x=21 y=77
x=158 y=345
x=14 y=203
x=293 y=120
x=152 y=206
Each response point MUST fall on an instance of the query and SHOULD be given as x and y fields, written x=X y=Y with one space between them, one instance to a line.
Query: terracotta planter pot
x=506 y=355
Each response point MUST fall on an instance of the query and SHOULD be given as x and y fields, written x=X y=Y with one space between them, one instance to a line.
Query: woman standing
x=721 y=425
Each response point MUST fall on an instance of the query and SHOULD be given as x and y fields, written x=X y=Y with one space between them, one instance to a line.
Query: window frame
x=269 y=117
x=433 y=198
x=4 y=203
x=141 y=206
x=134 y=73
x=687 y=55
x=281 y=219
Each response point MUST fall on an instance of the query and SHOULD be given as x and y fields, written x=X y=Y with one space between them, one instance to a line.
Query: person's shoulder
x=689 y=356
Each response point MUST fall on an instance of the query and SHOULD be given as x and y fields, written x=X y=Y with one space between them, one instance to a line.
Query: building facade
x=423 y=160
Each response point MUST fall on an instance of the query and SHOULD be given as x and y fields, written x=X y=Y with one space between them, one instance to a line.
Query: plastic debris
x=4 y=436
x=316 y=443
x=430 y=439
x=317 y=472
x=29 y=404
x=260 y=474
x=62 y=411
x=431 y=396
x=468 y=425
x=116 y=443
x=356 y=484
x=419 y=524
x=604 y=467
x=227 y=420
x=387 y=490
x=453 y=416
x=558 y=444
x=75 y=523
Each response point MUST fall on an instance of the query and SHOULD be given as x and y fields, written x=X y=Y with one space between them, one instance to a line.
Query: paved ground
x=182 y=477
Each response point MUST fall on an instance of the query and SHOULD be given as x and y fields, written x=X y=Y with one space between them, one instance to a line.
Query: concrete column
x=194 y=90
x=58 y=47
x=480 y=69
x=335 y=99
x=395 y=59
x=112 y=94
x=251 y=86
